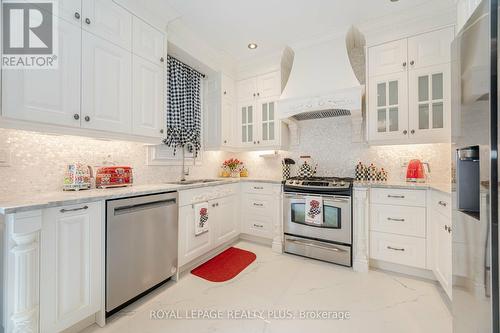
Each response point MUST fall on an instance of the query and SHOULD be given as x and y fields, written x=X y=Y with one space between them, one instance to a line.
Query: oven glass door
x=336 y=226
x=332 y=216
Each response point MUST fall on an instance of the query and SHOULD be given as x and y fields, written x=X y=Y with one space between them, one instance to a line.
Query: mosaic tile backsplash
x=38 y=160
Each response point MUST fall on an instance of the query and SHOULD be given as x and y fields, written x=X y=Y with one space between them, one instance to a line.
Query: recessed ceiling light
x=252 y=46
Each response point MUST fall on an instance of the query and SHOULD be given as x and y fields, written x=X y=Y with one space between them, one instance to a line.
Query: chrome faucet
x=185 y=172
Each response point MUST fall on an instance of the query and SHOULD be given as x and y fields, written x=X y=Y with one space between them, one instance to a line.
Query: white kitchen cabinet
x=108 y=20
x=442 y=239
x=71 y=265
x=430 y=49
x=223 y=221
x=259 y=127
x=226 y=218
x=388 y=58
x=409 y=91
x=219 y=112
x=388 y=116
x=69 y=10
x=398 y=226
x=247 y=124
x=148 y=42
x=261 y=207
x=269 y=85
x=192 y=246
x=47 y=96
x=147 y=98
x=429 y=103
x=107 y=85
x=247 y=89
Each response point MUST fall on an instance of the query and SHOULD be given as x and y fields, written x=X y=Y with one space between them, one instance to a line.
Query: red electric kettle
x=415 y=171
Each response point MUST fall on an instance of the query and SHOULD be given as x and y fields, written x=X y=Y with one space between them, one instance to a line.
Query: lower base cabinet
x=71 y=265
x=223 y=225
x=442 y=240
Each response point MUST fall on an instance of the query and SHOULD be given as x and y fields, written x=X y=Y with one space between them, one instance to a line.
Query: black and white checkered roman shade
x=183 y=106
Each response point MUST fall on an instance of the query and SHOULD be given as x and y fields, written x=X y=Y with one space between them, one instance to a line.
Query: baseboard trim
x=402 y=269
x=257 y=239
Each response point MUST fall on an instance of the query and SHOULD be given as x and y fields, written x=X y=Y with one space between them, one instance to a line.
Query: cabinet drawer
x=258 y=226
x=398 y=197
x=259 y=204
x=261 y=188
x=403 y=250
x=401 y=220
x=441 y=202
x=189 y=197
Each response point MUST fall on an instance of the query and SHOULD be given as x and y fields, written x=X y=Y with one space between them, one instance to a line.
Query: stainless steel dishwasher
x=141 y=246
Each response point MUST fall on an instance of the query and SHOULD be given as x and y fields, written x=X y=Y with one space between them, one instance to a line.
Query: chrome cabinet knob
x=412 y=62
x=87 y=118
x=162 y=59
x=162 y=131
x=76 y=116
x=87 y=20
x=412 y=132
x=404 y=64
x=77 y=15
x=405 y=132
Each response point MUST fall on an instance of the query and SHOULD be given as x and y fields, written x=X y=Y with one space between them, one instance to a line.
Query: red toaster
x=113 y=176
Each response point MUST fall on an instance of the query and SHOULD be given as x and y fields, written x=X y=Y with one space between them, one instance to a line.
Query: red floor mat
x=225 y=266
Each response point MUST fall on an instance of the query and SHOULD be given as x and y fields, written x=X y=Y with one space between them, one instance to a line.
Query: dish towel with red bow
x=200 y=218
x=314 y=210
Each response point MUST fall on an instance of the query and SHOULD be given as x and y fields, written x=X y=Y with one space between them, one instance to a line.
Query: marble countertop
x=442 y=187
x=39 y=200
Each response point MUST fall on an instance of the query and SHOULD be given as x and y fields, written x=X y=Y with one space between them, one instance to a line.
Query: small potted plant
x=234 y=166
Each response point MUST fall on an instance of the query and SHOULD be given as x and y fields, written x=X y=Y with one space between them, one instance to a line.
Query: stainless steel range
x=331 y=240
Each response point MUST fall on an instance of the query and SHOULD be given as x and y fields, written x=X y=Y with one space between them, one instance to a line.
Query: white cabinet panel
x=192 y=246
x=69 y=10
x=269 y=85
x=388 y=107
x=108 y=20
x=403 y=250
x=148 y=42
x=71 y=265
x=388 y=58
x=247 y=89
x=269 y=131
x=246 y=124
x=226 y=220
x=48 y=96
x=228 y=110
x=431 y=48
x=429 y=103
x=443 y=251
x=107 y=86
x=401 y=220
x=148 y=93
x=398 y=197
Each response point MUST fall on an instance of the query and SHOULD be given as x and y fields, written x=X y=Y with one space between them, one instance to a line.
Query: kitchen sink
x=193 y=181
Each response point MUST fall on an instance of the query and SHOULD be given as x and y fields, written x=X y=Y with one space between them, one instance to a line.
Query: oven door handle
x=326 y=198
x=322 y=247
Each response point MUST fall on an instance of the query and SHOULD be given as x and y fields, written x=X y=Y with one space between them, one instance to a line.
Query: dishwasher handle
x=142 y=206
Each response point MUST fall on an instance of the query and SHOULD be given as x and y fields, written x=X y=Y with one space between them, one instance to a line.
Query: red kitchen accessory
x=415 y=171
x=113 y=176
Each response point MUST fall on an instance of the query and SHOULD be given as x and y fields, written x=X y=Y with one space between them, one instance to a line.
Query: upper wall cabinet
x=99 y=83
x=409 y=89
x=48 y=96
x=257 y=123
x=107 y=20
x=148 y=42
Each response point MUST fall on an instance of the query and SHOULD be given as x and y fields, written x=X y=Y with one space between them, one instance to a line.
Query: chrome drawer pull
x=258 y=225
x=442 y=203
x=395 y=248
x=74 y=209
x=396 y=196
x=258 y=204
x=397 y=220
x=258 y=188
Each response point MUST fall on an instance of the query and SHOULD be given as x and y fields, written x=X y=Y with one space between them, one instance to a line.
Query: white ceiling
x=229 y=25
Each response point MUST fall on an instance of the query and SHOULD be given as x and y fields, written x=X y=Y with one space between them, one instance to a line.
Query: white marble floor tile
x=376 y=301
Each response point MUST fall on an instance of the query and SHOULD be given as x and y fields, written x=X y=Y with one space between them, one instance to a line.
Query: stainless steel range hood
x=327 y=80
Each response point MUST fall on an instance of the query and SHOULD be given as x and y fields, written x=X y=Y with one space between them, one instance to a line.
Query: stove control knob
x=342 y=183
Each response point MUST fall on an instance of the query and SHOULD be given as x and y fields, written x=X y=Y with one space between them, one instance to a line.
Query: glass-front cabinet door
x=388 y=107
x=247 y=135
x=268 y=123
x=429 y=102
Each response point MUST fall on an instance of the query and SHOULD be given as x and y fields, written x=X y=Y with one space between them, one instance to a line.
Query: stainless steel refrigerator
x=474 y=151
